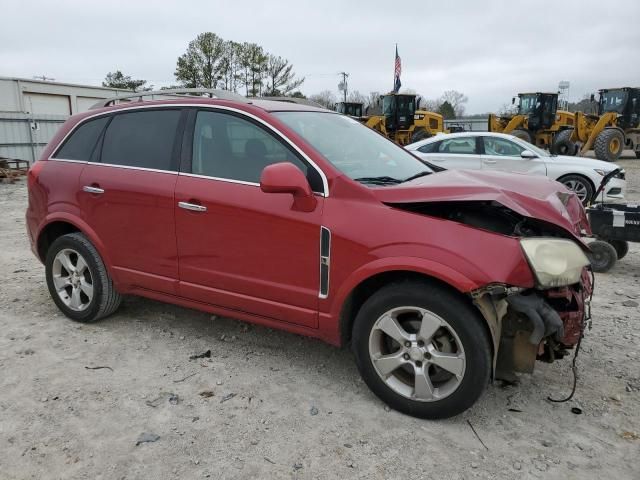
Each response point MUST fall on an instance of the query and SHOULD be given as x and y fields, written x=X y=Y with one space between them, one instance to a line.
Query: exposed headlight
x=556 y=262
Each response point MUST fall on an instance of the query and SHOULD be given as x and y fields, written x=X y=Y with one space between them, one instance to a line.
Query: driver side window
x=501 y=147
x=226 y=146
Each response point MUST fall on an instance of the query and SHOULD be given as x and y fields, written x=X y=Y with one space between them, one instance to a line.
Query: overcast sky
x=489 y=49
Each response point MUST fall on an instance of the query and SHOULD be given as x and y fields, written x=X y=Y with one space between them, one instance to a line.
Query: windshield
x=354 y=149
x=613 y=101
x=528 y=104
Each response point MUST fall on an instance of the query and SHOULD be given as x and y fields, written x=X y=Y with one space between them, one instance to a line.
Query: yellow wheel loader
x=537 y=121
x=402 y=120
x=614 y=128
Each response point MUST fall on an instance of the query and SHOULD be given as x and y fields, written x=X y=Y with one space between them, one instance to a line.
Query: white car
x=506 y=153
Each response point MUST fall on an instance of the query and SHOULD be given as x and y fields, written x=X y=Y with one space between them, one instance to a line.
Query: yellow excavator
x=614 y=128
x=537 y=121
x=402 y=120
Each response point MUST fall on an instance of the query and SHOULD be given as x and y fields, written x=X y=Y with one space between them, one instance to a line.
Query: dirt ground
x=268 y=404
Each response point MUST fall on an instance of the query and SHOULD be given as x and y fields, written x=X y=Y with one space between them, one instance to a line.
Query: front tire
x=578 y=185
x=419 y=134
x=78 y=281
x=422 y=349
x=562 y=144
x=609 y=144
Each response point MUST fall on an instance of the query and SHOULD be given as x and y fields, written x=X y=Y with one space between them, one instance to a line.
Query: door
x=453 y=153
x=238 y=247
x=505 y=155
x=127 y=197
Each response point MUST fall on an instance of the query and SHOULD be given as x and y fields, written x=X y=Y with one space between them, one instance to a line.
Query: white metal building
x=31 y=111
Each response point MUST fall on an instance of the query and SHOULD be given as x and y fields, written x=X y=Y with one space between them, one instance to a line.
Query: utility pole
x=343 y=84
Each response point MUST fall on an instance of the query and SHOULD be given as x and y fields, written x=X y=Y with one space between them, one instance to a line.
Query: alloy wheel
x=577 y=187
x=417 y=354
x=72 y=279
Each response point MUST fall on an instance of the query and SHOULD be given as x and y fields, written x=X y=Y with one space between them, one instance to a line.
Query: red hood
x=531 y=196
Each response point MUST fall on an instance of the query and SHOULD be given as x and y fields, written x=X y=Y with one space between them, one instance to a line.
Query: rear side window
x=458 y=145
x=142 y=139
x=82 y=142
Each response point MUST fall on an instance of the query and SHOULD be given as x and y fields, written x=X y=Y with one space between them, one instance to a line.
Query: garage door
x=85 y=103
x=44 y=103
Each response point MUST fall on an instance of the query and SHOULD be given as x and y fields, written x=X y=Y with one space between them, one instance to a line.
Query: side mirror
x=592 y=98
x=528 y=154
x=513 y=100
x=285 y=177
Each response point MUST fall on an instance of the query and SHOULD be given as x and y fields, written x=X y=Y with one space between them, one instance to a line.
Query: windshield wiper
x=382 y=180
x=417 y=175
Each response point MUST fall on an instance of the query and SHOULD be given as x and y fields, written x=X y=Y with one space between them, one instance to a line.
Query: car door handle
x=192 y=206
x=489 y=162
x=90 y=189
x=436 y=159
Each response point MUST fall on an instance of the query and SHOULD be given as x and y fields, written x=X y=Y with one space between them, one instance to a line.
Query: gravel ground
x=268 y=404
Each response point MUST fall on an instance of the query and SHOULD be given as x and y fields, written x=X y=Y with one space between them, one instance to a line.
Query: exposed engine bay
x=487 y=215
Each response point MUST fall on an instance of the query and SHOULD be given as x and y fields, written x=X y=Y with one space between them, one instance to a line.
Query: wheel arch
x=581 y=175
x=370 y=284
x=58 y=224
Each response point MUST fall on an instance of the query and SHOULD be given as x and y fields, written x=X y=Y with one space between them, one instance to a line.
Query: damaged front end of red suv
x=547 y=319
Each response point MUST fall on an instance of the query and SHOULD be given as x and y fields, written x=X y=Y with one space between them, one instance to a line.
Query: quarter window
x=227 y=146
x=142 y=139
x=429 y=147
x=501 y=147
x=82 y=142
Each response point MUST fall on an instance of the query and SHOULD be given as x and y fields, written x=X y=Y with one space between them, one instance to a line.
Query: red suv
x=302 y=219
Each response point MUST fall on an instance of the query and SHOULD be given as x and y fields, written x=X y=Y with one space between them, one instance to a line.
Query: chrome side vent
x=325 y=255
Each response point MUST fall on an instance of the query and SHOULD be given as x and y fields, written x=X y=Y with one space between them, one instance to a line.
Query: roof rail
x=178 y=92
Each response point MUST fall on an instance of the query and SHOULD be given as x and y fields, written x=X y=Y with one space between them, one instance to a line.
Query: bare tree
x=456 y=100
x=326 y=98
x=507 y=110
x=356 y=97
x=430 y=104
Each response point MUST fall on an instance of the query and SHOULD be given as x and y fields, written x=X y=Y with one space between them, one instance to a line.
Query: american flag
x=398 y=70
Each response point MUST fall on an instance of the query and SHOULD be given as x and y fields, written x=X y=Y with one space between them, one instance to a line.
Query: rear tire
x=602 y=256
x=435 y=327
x=562 y=144
x=621 y=247
x=419 y=134
x=522 y=135
x=78 y=281
x=637 y=153
x=609 y=145
x=579 y=185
